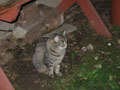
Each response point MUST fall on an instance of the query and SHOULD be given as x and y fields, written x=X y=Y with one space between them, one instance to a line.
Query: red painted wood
x=115 y=12
x=93 y=17
x=9 y=13
x=65 y=5
x=91 y=14
x=4 y=82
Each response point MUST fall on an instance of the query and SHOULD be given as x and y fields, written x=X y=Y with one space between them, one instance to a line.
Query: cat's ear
x=64 y=33
x=56 y=38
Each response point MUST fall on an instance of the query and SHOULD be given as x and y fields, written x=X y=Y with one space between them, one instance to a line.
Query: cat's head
x=59 y=41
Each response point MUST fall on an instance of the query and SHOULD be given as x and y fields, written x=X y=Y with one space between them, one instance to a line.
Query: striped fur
x=49 y=53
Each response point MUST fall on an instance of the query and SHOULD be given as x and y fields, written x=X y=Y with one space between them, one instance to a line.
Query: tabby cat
x=49 y=53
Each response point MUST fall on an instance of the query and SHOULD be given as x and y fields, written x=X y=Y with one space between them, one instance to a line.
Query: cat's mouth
x=63 y=47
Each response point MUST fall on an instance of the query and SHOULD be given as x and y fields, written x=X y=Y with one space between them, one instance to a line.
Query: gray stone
x=6 y=26
x=19 y=32
x=90 y=47
x=35 y=20
x=39 y=22
x=65 y=27
x=4 y=35
x=84 y=49
x=5 y=57
x=109 y=44
x=6 y=2
x=51 y=3
x=3 y=1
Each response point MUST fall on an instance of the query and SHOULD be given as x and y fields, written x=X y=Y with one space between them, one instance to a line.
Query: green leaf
x=73 y=55
x=110 y=77
x=94 y=71
x=116 y=28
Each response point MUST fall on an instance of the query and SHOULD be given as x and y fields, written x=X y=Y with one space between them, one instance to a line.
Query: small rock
x=65 y=27
x=110 y=59
x=109 y=44
x=66 y=66
x=36 y=82
x=90 y=47
x=51 y=3
x=6 y=26
x=2 y=54
x=43 y=85
x=19 y=32
x=96 y=57
x=84 y=49
x=5 y=58
x=4 y=35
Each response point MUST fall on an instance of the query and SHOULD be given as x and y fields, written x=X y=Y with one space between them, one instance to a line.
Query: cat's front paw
x=51 y=75
x=59 y=74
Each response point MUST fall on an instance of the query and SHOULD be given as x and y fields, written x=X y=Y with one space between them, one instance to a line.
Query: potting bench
x=9 y=14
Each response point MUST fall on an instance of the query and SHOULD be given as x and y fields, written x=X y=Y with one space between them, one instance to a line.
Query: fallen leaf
x=96 y=57
x=98 y=66
x=110 y=77
x=119 y=41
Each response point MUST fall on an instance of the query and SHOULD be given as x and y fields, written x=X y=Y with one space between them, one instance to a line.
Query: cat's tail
x=40 y=67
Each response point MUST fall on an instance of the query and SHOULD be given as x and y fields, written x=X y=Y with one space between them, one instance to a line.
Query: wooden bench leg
x=91 y=14
x=93 y=17
x=4 y=82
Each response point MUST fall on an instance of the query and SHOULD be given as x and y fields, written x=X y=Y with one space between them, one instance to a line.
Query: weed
x=73 y=55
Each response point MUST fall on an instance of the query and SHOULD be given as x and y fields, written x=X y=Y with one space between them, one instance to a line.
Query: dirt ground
x=20 y=70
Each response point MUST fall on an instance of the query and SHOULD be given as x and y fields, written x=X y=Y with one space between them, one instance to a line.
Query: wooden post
x=94 y=18
x=4 y=82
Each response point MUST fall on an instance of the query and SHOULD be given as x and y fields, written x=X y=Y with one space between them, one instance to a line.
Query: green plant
x=116 y=28
x=73 y=55
x=99 y=70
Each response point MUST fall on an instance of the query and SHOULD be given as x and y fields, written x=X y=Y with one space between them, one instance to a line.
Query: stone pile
x=34 y=21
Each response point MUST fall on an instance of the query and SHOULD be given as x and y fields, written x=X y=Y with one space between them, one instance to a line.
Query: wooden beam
x=94 y=18
x=4 y=82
